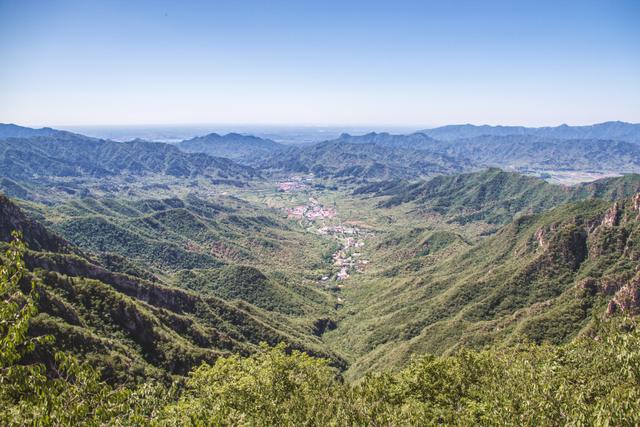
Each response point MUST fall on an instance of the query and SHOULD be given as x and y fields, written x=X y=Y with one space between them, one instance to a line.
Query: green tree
x=67 y=393
x=267 y=388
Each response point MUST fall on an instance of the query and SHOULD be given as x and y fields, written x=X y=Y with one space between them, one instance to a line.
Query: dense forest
x=594 y=379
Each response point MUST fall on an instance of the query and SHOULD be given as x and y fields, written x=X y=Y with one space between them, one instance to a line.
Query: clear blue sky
x=319 y=62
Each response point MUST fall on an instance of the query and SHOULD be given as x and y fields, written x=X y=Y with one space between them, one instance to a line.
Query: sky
x=401 y=63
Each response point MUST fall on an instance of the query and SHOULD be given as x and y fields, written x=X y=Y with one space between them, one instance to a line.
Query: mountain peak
x=232 y=145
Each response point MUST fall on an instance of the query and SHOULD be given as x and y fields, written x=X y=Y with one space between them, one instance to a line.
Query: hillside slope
x=525 y=152
x=379 y=156
x=370 y=158
x=493 y=196
x=540 y=278
x=133 y=327
x=28 y=159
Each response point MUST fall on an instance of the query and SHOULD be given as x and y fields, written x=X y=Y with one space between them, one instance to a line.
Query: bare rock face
x=636 y=203
x=627 y=299
x=540 y=236
x=589 y=286
x=612 y=217
x=609 y=286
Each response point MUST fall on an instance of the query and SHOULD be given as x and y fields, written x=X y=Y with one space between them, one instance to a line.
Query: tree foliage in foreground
x=66 y=393
x=593 y=381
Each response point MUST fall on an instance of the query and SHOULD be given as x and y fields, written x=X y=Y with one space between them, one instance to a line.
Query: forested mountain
x=365 y=158
x=493 y=195
x=616 y=131
x=133 y=325
x=79 y=156
x=542 y=153
x=374 y=156
x=384 y=156
x=363 y=252
x=539 y=278
x=232 y=145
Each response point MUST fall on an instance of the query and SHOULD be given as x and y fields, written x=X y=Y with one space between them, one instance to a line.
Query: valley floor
x=357 y=274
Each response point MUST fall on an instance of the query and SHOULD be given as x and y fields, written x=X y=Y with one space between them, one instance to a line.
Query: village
x=295 y=183
x=311 y=211
x=348 y=258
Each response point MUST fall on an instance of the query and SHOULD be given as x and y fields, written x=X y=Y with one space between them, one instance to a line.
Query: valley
x=150 y=272
x=333 y=213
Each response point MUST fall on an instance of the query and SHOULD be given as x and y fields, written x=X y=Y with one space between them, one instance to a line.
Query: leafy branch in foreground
x=67 y=393
x=593 y=381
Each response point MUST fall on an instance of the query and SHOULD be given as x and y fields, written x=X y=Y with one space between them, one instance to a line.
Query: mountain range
x=493 y=195
x=362 y=159
x=422 y=154
x=378 y=279
x=615 y=130
x=133 y=324
x=610 y=147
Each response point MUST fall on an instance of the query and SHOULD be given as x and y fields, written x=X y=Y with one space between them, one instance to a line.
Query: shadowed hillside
x=131 y=327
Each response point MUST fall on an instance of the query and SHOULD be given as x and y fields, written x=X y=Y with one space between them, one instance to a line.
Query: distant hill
x=543 y=153
x=71 y=155
x=371 y=156
x=495 y=196
x=414 y=141
x=377 y=156
x=617 y=131
x=15 y=131
x=231 y=145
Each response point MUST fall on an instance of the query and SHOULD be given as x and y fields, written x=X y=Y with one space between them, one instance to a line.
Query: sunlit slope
x=539 y=278
x=493 y=196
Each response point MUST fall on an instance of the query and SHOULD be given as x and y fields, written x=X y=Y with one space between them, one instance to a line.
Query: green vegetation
x=170 y=288
x=431 y=287
x=595 y=379
x=349 y=160
x=135 y=327
x=541 y=278
x=494 y=196
x=63 y=392
x=72 y=155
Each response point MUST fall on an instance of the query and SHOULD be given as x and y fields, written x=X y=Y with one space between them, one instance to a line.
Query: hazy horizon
x=285 y=133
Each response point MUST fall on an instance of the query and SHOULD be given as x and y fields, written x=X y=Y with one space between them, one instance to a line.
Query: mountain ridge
x=72 y=155
x=616 y=130
x=232 y=145
x=130 y=327
x=494 y=195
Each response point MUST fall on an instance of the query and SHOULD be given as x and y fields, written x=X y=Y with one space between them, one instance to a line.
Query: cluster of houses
x=311 y=211
x=291 y=186
x=347 y=259
x=338 y=229
x=295 y=183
